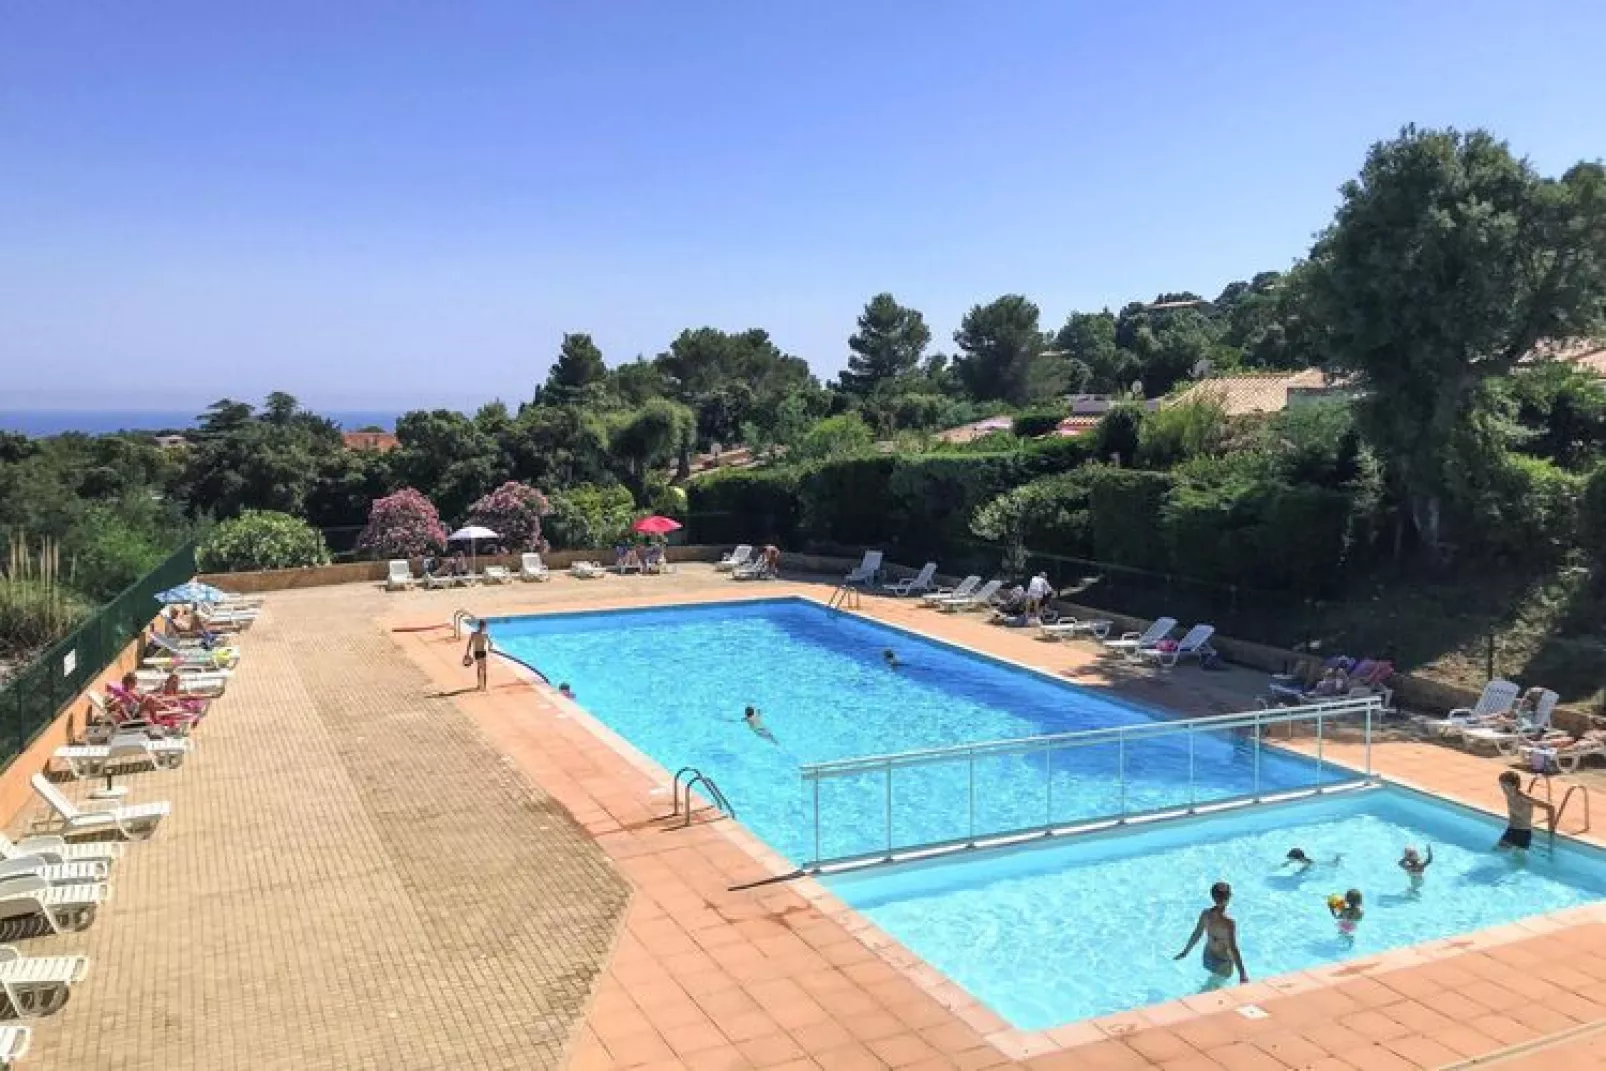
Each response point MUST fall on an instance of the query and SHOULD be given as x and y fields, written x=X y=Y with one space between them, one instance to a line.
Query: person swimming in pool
x=1414 y=864
x=1220 y=932
x=1301 y=862
x=755 y=722
x=890 y=657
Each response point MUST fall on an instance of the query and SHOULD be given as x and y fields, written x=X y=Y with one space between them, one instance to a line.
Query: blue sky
x=397 y=202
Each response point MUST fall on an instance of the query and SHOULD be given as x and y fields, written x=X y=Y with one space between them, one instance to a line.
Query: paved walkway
x=351 y=878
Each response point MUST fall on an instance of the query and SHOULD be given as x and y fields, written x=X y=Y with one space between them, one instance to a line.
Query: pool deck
x=368 y=866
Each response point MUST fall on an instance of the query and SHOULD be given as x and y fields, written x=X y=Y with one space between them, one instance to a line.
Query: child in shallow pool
x=1414 y=864
x=1347 y=910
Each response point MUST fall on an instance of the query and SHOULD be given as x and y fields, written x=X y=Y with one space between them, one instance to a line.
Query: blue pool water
x=1088 y=925
x=674 y=683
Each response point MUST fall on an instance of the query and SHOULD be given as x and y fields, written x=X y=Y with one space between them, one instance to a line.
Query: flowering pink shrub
x=513 y=511
x=403 y=525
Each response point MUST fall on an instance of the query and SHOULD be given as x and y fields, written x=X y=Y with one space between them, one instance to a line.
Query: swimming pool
x=1088 y=925
x=674 y=682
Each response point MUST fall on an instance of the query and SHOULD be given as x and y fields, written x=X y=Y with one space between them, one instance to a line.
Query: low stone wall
x=374 y=572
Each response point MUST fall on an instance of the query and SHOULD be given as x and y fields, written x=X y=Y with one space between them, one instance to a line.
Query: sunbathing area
x=299 y=835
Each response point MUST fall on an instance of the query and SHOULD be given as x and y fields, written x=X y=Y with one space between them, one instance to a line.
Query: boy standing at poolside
x=475 y=654
x=1520 y=814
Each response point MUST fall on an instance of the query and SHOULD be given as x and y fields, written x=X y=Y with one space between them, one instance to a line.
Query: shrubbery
x=745 y=506
x=403 y=525
x=588 y=516
x=1031 y=425
x=261 y=539
x=513 y=511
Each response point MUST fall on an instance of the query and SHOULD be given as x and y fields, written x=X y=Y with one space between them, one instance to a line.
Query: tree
x=579 y=374
x=650 y=438
x=223 y=416
x=724 y=377
x=588 y=516
x=261 y=539
x=1001 y=341
x=403 y=525
x=888 y=345
x=447 y=455
x=637 y=383
x=557 y=446
x=513 y=511
x=279 y=408
x=1088 y=338
x=1447 y=262
x=835 y=437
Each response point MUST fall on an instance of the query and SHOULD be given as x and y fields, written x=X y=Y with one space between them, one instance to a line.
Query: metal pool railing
x=1247 y=731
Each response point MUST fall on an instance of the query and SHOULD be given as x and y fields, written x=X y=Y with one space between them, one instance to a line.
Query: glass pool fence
x=883 y=807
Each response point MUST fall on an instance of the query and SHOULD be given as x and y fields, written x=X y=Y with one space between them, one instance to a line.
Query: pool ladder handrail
x=1566 y=798
x=697 y=777
x=845 y=597
x=457 y=623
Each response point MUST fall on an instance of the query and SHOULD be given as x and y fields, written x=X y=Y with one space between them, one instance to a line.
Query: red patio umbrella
x=656 y=525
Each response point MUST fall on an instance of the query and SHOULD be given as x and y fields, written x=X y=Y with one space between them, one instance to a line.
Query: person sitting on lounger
x=1333 y=683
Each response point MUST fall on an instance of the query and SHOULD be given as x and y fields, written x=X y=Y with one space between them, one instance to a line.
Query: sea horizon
x=41 y=421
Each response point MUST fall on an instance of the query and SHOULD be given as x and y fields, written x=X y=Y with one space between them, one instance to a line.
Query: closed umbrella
x=473 y=533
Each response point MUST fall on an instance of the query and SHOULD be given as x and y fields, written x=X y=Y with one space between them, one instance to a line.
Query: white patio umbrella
x=473 y=533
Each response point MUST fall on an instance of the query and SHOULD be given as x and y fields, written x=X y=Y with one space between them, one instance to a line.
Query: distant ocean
x=40 y=422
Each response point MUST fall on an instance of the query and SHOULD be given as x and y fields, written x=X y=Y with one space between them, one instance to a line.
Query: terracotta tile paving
x=843 y=995
x=701 y=974
x=349 y=879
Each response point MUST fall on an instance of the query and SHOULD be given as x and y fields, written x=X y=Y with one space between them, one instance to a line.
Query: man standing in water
x=1520 y=814
x=1221 y=953
x=478 y=650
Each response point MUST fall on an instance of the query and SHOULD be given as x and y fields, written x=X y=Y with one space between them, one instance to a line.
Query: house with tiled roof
x=1266 y=392
x=379 y=441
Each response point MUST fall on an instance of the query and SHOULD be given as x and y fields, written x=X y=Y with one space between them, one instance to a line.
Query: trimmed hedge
x=744 y=506
x=1124 y=507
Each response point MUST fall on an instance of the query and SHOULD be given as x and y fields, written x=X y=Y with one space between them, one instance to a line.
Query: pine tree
x=888 y=344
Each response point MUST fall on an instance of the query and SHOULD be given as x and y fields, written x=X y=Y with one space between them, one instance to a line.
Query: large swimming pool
x=1060 y=930
x=674 y=682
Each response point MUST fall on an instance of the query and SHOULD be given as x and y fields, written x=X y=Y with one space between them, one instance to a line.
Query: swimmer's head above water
x=1297 y=855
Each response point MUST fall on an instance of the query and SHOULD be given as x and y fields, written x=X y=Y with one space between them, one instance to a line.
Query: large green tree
x=728 y=379
x=448 y=457
x=578 y=375
x=1448 y=261
x=888 y=345
x=1001 y=342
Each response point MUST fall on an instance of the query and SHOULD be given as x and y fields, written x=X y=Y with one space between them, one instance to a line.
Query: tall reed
x=36 y=606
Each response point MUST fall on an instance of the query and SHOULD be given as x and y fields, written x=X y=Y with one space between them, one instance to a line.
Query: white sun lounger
x=497 y=574
x=135 y=822
x=735 y=559
x=1137 y=641
x=14 y=1044
x=54 y=873
x=64 y=907
x=964 y=587
x=197 y=682
x=1098 y=628
x=914 y=585
x=587 y=571
x=400 y=577
x=1566 y=759
x=57 y=850
x=1529 y=725
x=1195 y=644
x=91 y=760
x=865 y=572
x=37 y=985
x=982 y=596
x=531 y=567
x=1497 y=699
